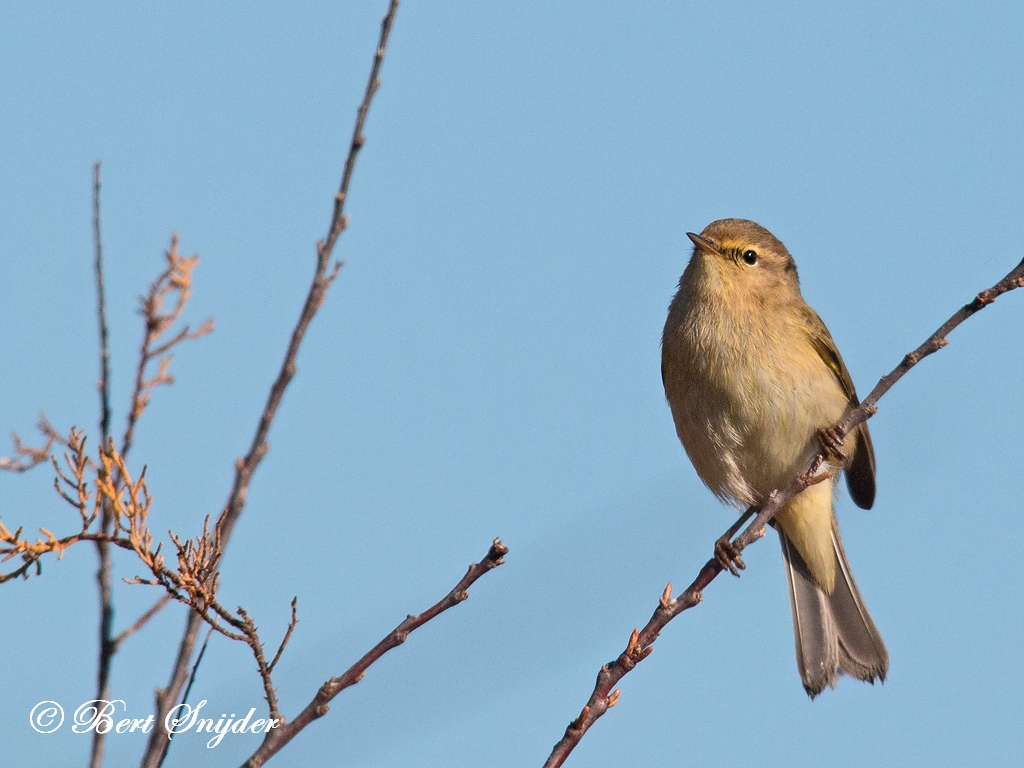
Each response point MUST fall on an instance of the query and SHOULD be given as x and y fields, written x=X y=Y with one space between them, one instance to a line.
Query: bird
x=755 y=385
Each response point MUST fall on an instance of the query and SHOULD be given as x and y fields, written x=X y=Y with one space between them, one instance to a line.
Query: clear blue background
x=487 y=363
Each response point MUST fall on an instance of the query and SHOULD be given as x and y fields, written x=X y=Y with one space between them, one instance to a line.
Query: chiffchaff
x=753 y=376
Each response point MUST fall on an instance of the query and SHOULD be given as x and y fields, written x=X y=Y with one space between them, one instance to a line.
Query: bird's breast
x=747 y=396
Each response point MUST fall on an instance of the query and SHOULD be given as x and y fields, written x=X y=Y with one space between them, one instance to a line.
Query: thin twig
x=287 y=634
x=249 y=630
x=25 y=457
x=107 y=645
x=141 y=621
x=165 y=698
x=322 y=280
x=246 y=467
x=188 y=688
x=101 y=309
x=176 y=279
x=641 y=642
x=195 y=667
x=317 y=708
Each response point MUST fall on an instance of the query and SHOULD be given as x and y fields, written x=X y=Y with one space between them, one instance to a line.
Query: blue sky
x=487 y=364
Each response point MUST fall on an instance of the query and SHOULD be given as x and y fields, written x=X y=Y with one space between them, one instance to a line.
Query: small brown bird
x=754 y=381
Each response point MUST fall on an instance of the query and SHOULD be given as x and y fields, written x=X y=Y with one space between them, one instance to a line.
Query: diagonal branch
x=141 y=621
x=641 y=642
x=278 y=737
x=245 y=467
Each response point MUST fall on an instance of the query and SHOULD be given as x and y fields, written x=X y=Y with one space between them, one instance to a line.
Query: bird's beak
x=704 y=245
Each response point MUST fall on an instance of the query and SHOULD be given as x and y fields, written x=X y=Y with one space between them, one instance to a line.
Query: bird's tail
x=834 y=632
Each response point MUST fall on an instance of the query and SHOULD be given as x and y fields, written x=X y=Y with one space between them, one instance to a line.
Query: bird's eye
x=750 y=257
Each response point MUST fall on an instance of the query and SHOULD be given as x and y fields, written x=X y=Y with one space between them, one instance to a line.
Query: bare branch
x=126 y=504
x=107 y=645
x=174 y=283
x=338 y=219
x=287 y=634
x=641 y=642
x=191 y=680
x=141 y=621
x=317 y=708
x=245 y=468
x=195 y=667
x=101 y=309
x=25 y=457
x=261 y=662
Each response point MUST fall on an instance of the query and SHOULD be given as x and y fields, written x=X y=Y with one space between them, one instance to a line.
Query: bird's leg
x=832 y=444
x=726 y=554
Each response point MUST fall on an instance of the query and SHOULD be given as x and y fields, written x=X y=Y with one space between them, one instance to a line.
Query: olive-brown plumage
x=752 y=375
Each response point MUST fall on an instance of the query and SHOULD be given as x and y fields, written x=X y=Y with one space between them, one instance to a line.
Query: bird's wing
x=860 y=474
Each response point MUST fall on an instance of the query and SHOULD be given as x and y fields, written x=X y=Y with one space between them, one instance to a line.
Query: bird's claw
x=728 y=556
x=832 y=444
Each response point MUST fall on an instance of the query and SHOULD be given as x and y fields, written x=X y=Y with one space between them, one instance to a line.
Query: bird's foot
x=832 y=444
x=728 y=556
